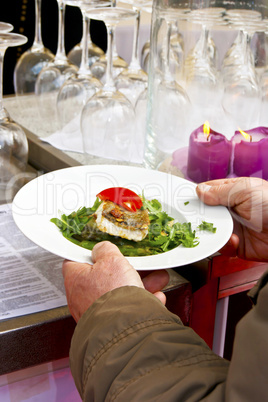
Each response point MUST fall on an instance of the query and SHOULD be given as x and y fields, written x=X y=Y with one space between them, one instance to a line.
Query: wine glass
x=99 y=67
x=51 y=78
x=5 y=27
x=176 y=53
x=242 y=93
x=133 y=80
x=33 y=60
x=13 y=141
x=234 y=57
x=77 y=89
x=207 y=17
x=203 y=82
x=172 y=103
x=108 y=118
x=94 y=51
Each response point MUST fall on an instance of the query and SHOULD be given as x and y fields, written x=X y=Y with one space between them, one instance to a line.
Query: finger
x=231 y=247
x=110 y=261
x=70 y=266
x=156 y=280
x=161 y=296
x=222 y=191
x=104 y=248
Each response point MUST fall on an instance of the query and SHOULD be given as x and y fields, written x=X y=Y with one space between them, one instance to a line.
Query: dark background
x=21 y=14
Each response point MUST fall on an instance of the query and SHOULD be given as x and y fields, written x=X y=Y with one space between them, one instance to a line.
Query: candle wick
x=250 y=138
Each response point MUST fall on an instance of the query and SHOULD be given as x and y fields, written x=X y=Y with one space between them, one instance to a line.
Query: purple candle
x=250 y=153
x=208 y=155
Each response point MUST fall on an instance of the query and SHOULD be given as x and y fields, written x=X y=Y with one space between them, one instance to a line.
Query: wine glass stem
x=89 y=41
x=109 y=84
x=38 y=35
x=249 y=52
x=135 y=59
x=167 y=53
x=204 y=41
x=61 y=49
x=2 y=110
x=84 y=59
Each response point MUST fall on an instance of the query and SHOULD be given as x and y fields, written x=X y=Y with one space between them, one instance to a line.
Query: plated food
x=64 y=191
x=138 y=226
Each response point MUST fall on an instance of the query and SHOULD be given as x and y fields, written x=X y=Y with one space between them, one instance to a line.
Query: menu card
x=31 y=278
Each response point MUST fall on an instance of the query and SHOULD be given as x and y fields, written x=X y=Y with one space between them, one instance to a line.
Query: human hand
x=247 y=199
x=85 y=283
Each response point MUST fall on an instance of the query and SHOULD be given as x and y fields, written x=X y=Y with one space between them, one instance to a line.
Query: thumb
x=222 y=191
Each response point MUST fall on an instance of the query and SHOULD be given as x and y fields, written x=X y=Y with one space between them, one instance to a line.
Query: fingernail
x=204 y=187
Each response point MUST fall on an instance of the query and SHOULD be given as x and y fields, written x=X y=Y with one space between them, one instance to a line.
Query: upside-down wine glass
x=242 y=93
x=52 y=77
x=171 y=114
x=203 y=81
x=108 y=118
x=94 y=51
x=13 y=141
x=33 y=60
x=176 y=53
x=99 y=67
x=234 y=57
x=133 y=80
x=77 y=89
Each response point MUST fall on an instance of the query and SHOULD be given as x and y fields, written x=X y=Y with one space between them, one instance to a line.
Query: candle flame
x=206 y=129
x=245 y=135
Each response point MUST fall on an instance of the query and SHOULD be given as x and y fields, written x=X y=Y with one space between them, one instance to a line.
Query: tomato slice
x=122 y=196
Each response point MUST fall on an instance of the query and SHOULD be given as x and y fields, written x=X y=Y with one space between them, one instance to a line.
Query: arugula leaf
x=164 y=233
x=207 y=226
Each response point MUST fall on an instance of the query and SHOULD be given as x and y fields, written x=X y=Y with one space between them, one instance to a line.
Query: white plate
x=64 y=191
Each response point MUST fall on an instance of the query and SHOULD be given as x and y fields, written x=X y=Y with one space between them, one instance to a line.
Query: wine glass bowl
x=98 y=68
x=51 y=78
x=94 y=54
x=133 y=80
x=28 y=67
x=33 y=60
x=13 y=141
x=73 y=96
x=75 y=91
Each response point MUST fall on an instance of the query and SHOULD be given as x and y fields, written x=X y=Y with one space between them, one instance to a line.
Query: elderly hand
x=85 y=283
x=247 y=198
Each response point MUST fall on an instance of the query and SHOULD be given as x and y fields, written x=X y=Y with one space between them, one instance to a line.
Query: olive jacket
x=128 y=347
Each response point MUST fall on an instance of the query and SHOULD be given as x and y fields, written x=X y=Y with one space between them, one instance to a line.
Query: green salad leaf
x=164 y=233
x=207 y=226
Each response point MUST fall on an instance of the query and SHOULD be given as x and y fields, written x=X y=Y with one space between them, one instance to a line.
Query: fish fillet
x=117 y=221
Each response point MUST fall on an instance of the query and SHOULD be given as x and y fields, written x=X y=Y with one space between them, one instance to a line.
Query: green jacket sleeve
x=129 y=347
x=248 y=375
